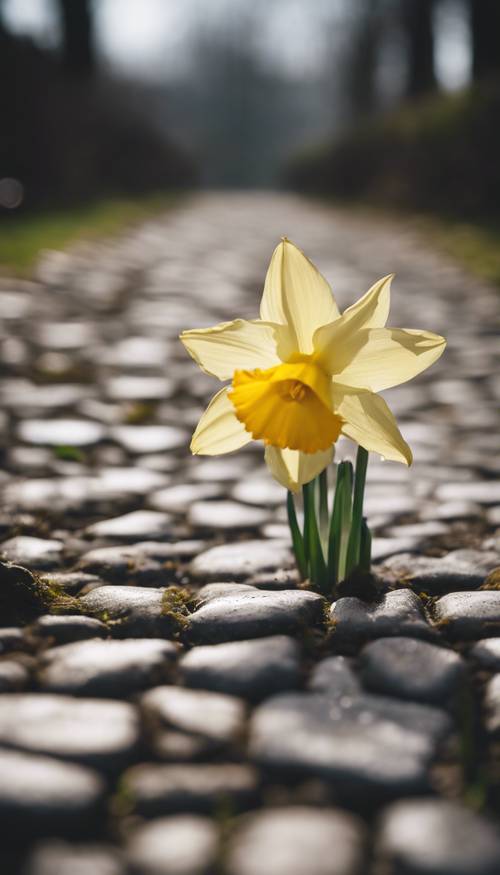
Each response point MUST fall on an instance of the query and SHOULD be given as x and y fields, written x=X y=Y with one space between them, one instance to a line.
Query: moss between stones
x=177 y=603
x=492 y=581
x=54 y=599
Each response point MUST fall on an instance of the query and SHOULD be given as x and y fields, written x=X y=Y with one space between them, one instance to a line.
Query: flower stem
x=314 y=552
x=365 y=547
x=354 y=546
x=323 y=506
x=336 y=522
x=297 y=539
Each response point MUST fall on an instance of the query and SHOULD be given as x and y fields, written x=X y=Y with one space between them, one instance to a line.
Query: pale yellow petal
x=370 y=423
x=373 y=308
x=218 y=430
x=231 y=346
x=390 y=356
x=293 y=469
x=337 y=343
x=296 y=295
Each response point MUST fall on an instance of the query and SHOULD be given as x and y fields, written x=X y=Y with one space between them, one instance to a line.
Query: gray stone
x=219 y=470
x=484 y=492
x=144 y=561
x=39 y=794
x=475 y=560
x=334 y=676
x=180 y=497
x=255 y=615
x=295 y=841
x=149 y=438
x=225 y=515
x=487 y=653
x=289 y=579
x=251 y=669
x=397 y=613
x=211 y=715
x=63 y=629
x=469 y=615
x=492 y=704
x=55 y=857
x=369 y=747
x=240 y=560
x=411 y=669
x=435 y=575
x=425 y=836
x=264 y=492
x=452 y=510
x=134 y=526
x=202 y=788
x=424 y=531
x=178 y=845
x=132 y=388
x=42 y=494
x=136 y=352
x=107 y=668
x=34 y=552
x=112 y=482
x=61 y=432
x=173 y=746
x=90 y=731
x=443 y=579
x=383 y=548
x=13 y=676
x=11 y=638
x=212 y=591
x=130 y=610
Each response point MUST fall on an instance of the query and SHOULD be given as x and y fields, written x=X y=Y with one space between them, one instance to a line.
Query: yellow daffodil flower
x=303 y=374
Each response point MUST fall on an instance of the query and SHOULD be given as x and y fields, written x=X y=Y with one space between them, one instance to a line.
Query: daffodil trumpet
x=298 y=378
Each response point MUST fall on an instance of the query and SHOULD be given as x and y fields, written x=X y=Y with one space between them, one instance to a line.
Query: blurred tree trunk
x=361 y=60
x=78 y=54
x=417 y=22
x=485 y=32
x=3 y=29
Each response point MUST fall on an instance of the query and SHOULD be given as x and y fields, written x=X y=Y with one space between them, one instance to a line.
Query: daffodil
x=303 y=374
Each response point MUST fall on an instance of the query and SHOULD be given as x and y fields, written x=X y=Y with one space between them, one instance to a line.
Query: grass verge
x=23 y=237
x=473 y=244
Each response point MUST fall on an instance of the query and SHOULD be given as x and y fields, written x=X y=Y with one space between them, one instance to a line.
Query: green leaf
x=297 y=539
x=323 y=506
x=365 y=550
x=314 y=552
x=340 y=523
x=353 y=549
x=345 y=519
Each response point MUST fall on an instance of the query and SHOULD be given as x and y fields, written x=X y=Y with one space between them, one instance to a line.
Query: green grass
x=473 y=244
x=23 y=237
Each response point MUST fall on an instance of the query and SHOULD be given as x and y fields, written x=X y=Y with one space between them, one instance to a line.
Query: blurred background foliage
x=389 y=102
x=432 y=150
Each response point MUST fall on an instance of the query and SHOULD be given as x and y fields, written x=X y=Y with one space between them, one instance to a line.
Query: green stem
x=297 y=539
x=336 y=525
x=314 y=552
x=365 y=547
x=323 y=506
x=353 y=549
x=345 y=519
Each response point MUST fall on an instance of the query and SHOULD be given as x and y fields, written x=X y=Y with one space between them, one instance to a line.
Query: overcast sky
x=146 y=38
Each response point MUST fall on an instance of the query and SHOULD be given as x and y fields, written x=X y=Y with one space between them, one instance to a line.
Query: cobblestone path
x=248 y=729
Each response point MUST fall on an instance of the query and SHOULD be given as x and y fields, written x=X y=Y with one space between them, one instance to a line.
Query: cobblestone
x=269 y=705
